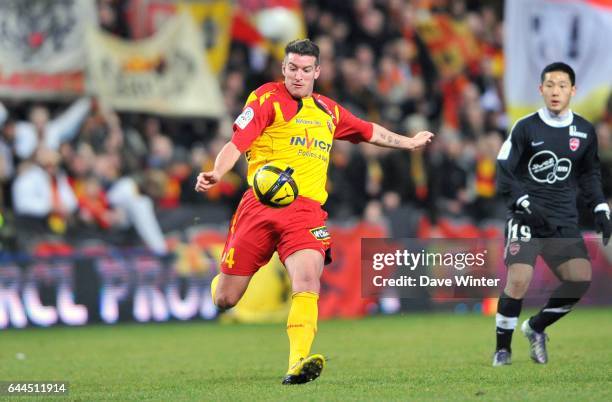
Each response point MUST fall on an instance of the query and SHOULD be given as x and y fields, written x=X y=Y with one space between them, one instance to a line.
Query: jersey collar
x=556 y=121
x=285 y=91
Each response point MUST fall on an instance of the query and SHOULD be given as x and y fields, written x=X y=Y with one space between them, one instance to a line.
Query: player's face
x=557 y=90
x=300 y=73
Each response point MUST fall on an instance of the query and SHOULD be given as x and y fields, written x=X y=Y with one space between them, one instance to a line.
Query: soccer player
x=547 y=156
x=287 y=122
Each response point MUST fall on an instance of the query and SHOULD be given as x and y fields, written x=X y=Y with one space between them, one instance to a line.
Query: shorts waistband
x=250 y=193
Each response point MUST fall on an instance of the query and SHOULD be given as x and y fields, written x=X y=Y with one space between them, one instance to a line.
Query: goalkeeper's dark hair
x=303 y=47
x=559 y=66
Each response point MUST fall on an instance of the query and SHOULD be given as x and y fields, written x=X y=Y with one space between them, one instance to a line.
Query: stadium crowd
x=411 y=65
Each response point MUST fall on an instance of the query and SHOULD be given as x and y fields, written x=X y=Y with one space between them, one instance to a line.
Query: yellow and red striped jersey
x=273 y=126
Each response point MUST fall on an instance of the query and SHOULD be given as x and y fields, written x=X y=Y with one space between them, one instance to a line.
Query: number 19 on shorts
x=514 y=229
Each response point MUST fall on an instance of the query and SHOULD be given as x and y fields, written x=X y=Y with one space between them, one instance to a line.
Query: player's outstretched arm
x=227 y=158
x=387 y=138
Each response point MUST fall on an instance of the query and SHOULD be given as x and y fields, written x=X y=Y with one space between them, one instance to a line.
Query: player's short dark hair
x=303 y=47
x=559 y=66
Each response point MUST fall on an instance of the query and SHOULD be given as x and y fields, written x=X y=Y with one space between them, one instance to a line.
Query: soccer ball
x=274 y=186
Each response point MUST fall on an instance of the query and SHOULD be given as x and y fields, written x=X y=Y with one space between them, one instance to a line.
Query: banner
x=165 y=74
x=78 y=285
x=44 y=36
x=451 y=43
x=42 y=51
x=539 y=32
x=42 y=86
x=94 y=283
x=213 y=18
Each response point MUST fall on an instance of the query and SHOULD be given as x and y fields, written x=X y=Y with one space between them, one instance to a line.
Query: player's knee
x=225 y=300
x=305 y=268
x=306 y=283
x=517 y=287
x=306 y=278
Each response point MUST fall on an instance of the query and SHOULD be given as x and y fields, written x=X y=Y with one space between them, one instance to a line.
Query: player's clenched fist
x=206 y=180
x=422 y=138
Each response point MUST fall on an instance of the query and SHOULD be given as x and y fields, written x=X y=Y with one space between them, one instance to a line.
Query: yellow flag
x=214 y=20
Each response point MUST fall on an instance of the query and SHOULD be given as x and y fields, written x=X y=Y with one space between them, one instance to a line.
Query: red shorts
x=256 y=231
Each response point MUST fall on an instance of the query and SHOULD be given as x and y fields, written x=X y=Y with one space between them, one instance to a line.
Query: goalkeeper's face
x=300 y=72
x=557 y=91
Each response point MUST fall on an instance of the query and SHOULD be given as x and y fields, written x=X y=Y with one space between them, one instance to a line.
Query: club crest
x=574 y=144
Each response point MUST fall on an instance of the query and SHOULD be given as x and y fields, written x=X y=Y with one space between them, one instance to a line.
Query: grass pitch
x=409 y=357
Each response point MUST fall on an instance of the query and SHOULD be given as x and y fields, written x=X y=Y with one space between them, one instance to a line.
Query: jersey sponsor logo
x=573 y=132
x=536 y=144
x=308 y=122
x=320 y=233
x=308 y=142
x=245 y=118
x=546 y=167
x=574 y=144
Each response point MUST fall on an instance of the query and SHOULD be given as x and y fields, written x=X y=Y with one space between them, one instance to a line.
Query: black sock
x=560 y=303
x=508 y=310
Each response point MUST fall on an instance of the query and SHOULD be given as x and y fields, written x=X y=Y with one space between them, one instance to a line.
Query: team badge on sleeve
x=245 y=118
x=574 y=143
x=320 y=233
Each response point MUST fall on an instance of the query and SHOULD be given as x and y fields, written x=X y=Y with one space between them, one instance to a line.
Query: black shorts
x=524 y=245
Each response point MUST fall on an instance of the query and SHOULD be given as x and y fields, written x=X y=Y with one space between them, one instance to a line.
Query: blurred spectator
x=111 y=17
x=167 y=169
x=358 y=91
x=7 y=159
x=450 y=184
x=42 y=193
x=94 y=208
x=123 y=194
x=229 y=190
x=370 y=28
x=160 y=154
x=405 y=179
x=471 y=114
x=346 y=182
x=40 y=130
x=326 y=83
x=486 y=204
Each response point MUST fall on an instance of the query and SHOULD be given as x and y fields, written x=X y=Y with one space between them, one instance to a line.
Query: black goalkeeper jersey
x=548 y=159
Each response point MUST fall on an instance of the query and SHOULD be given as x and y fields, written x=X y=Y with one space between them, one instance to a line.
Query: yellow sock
x=302 y=325
x=213 y=286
